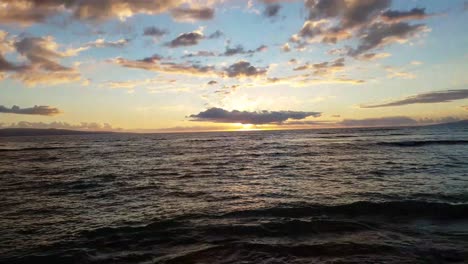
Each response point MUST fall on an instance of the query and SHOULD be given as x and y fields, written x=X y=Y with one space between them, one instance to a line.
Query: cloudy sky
x=183 y=65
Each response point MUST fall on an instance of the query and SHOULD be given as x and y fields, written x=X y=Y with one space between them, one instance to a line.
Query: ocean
x=369 y=195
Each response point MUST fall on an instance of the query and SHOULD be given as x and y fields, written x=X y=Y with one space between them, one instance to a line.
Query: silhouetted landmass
x=463 y=123
x=16 y=132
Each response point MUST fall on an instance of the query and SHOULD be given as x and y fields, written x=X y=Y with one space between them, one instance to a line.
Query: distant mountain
x=463 y=123
x=16 y=132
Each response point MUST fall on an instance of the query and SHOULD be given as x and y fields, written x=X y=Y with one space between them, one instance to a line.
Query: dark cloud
x=192 y=14
x=212 y=82
x=201 y=53
x=6 y=65
x=324 y=68
x=349 y=13
x=155 y=63
x=272 y=10
x=244 y=69
x=216 y=34
x=239 y=49
x=398 y=16
x=154 y=32
x=186 y=39
x=331 y=21
x=426 y=98
x=379 y=122
x=35 y=110
x=43 y=61
x=27 y=12
x=380 y=34
x=219 y=115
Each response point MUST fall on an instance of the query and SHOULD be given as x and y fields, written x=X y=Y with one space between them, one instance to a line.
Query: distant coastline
x=18 y=132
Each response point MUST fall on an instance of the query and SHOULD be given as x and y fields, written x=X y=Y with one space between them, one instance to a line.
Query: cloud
x=239 y=49
x=286 y=47
x=85 y=126
x=349 y=13
x=192 y=14
x=43 y=62
x=370 y=21
x=200 y=53
x=219 y=115
x=102 y=43
x=186 y=39
x=397 y=73
x=154 y=32
x=324 y=68
x=244 y=69
x=272 y=10
x=393 y=121
x=216 y=34
x=373 y=56
x=380 y=34
x=156 y=64
x=27 y=12
x=426 y=98
x=379 y=122
x=212 y=82
x=398 y=16
x=35 y=110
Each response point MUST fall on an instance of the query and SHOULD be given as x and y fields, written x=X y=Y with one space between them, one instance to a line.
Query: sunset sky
x=188 y=65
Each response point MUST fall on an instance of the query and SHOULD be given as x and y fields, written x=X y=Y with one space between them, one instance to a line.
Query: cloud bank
x=35 y=110
x=219 y=115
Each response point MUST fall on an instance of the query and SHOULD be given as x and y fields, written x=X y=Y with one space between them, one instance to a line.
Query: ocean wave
x=38 y=148
x=410 y=209
x=420 y=143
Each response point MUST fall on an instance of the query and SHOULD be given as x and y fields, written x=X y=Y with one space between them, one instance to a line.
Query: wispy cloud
x=425 y=98
x=35 y=110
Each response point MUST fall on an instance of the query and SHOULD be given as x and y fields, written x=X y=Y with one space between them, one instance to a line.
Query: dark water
x=317 y=196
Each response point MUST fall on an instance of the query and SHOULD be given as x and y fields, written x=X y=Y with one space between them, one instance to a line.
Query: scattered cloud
x=43 y=62
x=380 y=34
x=192 y=14
x=272 y=10
x=102 y=43
x=154 y=32
x=425 y=98
x=239 y=49
x=27 y=12
x=186 y=39
x=155 y=63
x=200 y=53
x=244 y=69
x=212 y=82
x=393 y=72
x=286 y=47
x=215 y=35
x=35 y=110
x=324 y=68
x=219 y=115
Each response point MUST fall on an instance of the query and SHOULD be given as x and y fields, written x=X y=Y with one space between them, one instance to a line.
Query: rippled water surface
x=311 y=196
